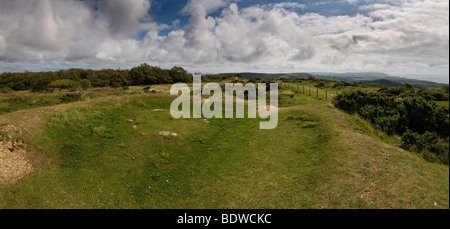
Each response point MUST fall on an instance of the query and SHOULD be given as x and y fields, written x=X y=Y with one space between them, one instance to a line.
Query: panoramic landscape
x=359 y=88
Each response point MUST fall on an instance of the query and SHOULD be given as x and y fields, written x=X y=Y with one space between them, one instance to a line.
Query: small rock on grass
x=166 y=133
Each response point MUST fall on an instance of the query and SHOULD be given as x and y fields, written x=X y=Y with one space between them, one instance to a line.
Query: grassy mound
x=109 y=154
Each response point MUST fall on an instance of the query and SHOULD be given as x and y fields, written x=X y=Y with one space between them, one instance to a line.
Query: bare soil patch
x=13 y=162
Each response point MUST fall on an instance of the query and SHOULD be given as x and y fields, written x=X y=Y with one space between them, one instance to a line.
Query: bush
x=433 y=94
x=420 y=121
x=320 y=85
x=427 y=143
x=40 y=86
x=5 y=90
x=254 y=81
x=63 y=84
x=85 y=84
x=71 y=97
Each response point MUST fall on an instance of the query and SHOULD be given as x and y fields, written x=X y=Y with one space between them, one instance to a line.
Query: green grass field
x=106 y=152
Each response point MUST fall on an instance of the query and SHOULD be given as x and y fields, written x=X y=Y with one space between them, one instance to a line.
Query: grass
x=443 y=104
x=108 y=154
x=24 y=100
x=14 y=102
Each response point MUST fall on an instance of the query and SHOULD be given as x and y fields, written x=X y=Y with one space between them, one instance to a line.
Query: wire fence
x=307 y=90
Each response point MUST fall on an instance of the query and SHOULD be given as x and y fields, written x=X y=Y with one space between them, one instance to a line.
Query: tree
x=179 y=75
x=320 y=85
x=312 y=78
x=85 y=84
x=162 y=76
x=142 y=75
x=40 y=81
x=63 y=84
x=445 y=88
x=409 y=86
x=118 y=79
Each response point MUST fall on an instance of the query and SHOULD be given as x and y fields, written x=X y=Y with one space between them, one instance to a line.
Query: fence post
x=317 y=92
x=326 y=94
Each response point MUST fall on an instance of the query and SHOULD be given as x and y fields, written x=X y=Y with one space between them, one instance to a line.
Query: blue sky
x=397 y=37
x=167 y=11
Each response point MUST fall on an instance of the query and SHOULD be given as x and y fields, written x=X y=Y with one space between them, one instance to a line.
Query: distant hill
x=363 y=77
x=353 y=74
x=272 y=76
x=384 y=82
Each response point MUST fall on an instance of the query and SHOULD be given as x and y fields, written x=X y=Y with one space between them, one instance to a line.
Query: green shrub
x=85 y=84
x=427 y=143
x=5 y=90
x=413 y=115
x=63 y=84
x=71 y=97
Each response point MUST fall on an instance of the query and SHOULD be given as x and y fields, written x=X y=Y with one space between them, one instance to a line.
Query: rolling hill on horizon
x=363 y=77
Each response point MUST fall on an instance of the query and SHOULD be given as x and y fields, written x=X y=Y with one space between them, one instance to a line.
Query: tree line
x=143 y=74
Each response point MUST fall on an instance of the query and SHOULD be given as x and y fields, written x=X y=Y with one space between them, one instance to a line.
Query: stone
x=167 y=133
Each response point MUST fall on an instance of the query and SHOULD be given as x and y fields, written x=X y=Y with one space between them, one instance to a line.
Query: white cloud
x=350 y=1
x=404 y=36
x=204 y=7
x=286 y=5
x=124 y=17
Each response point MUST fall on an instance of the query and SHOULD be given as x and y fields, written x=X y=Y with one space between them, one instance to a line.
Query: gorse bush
x=429 y=144
x=414 y=115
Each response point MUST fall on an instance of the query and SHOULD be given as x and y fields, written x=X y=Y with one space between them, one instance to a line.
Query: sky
x=397 y=37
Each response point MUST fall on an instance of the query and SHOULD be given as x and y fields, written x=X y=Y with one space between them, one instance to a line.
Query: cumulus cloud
x=124 y=17
x=252 y=35
x=39 y=29
x=389 y=36
x=285 y=5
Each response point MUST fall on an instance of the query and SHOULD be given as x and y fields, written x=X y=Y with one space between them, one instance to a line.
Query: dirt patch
x=13 y=162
